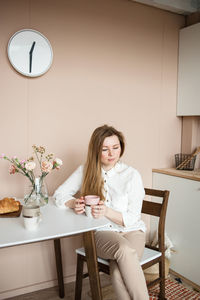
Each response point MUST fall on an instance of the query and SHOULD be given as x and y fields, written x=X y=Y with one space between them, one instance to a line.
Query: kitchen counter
x=182 y=219
x=193 y=175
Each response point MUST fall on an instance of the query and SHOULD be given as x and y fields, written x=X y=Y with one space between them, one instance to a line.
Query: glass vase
x=36 y=193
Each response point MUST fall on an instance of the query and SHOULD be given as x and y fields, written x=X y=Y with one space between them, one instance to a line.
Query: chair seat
x=148 y=255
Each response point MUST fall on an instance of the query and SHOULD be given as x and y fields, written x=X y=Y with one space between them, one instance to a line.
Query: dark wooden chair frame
x=150 y=208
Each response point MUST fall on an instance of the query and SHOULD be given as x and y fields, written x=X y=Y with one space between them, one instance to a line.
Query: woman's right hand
x=79 y=205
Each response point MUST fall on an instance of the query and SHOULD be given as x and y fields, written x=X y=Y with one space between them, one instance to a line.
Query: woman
x=121 y=192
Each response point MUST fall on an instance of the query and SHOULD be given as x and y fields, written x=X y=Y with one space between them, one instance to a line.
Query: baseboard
x=187 y=281
x=33 y=288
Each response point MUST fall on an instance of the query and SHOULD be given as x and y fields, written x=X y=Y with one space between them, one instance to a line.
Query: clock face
x=30 y=52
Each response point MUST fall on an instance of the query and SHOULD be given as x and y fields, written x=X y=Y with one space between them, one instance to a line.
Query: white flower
x=30 y=165
x=58 y=161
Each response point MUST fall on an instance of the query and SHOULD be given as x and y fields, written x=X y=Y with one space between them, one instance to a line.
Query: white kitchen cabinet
x=188 y=102
x=182 y=221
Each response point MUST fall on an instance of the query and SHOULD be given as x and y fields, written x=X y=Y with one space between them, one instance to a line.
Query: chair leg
x=79 y=277
x=162 y=276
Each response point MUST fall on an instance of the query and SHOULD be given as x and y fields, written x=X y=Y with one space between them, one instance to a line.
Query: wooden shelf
x=192 y=175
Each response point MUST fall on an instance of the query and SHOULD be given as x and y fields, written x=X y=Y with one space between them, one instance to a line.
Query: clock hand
x=32 y=47
x=30 y=57
x=30 y=62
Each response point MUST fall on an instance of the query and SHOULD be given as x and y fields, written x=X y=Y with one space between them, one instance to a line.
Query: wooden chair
x=151 y=256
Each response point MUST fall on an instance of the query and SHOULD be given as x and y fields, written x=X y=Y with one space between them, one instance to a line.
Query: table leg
x=59 y=268
x=91 y=256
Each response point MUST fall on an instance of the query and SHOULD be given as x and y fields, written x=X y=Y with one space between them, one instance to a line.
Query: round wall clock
x=30 y=52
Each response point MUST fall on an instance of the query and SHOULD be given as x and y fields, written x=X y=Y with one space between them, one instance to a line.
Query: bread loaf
x=8 y=205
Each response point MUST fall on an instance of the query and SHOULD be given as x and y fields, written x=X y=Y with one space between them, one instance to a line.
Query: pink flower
x=30 y=166
x=22 y=163
x=46 y=166
x=12 y=169
x=2 y=155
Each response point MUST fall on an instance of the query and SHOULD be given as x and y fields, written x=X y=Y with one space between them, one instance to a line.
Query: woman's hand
x=102 y=210
x=79 y=205
x=99 y=210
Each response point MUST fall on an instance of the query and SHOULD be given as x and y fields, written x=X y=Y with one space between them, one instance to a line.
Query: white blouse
x=124 y=192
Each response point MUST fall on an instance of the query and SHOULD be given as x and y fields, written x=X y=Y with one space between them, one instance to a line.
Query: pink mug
x=90 y=200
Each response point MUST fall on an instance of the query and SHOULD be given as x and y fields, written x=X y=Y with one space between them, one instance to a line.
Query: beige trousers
x=124 y=251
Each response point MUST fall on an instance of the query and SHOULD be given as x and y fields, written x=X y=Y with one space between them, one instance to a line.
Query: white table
x=57 y=223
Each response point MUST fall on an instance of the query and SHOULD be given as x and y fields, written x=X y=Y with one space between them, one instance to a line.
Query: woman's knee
x=137 y=241
x=123 y=249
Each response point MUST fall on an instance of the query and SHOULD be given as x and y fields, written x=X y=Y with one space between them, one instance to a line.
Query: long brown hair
x=92 y=179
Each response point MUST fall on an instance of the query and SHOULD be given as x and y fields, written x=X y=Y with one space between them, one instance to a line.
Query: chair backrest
x=158 y=210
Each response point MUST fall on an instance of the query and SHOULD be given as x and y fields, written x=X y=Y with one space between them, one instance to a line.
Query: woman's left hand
x=99 y=210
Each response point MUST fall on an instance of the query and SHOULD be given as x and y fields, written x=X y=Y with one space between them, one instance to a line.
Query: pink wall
x=115 y=62
x=190 y=136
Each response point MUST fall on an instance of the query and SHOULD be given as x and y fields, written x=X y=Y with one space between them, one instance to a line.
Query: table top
x=56 y=223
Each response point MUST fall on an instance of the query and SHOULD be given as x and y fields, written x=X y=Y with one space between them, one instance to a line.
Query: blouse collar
x=112 y=171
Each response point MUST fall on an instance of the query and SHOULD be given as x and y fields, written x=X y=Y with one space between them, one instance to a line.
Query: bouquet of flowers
x=46 y=163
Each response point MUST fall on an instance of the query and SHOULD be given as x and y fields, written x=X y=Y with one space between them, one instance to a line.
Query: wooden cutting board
x=14 y=214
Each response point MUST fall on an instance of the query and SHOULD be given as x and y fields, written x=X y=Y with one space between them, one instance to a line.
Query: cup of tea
x=32 y=217
x=89 y=201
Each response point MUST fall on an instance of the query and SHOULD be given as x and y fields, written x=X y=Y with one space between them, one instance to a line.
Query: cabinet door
x=188 y=103
x=183 y=223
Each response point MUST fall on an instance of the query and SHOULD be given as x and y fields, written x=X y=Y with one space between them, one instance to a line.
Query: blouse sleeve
x=135 y=198
x=69 y=188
